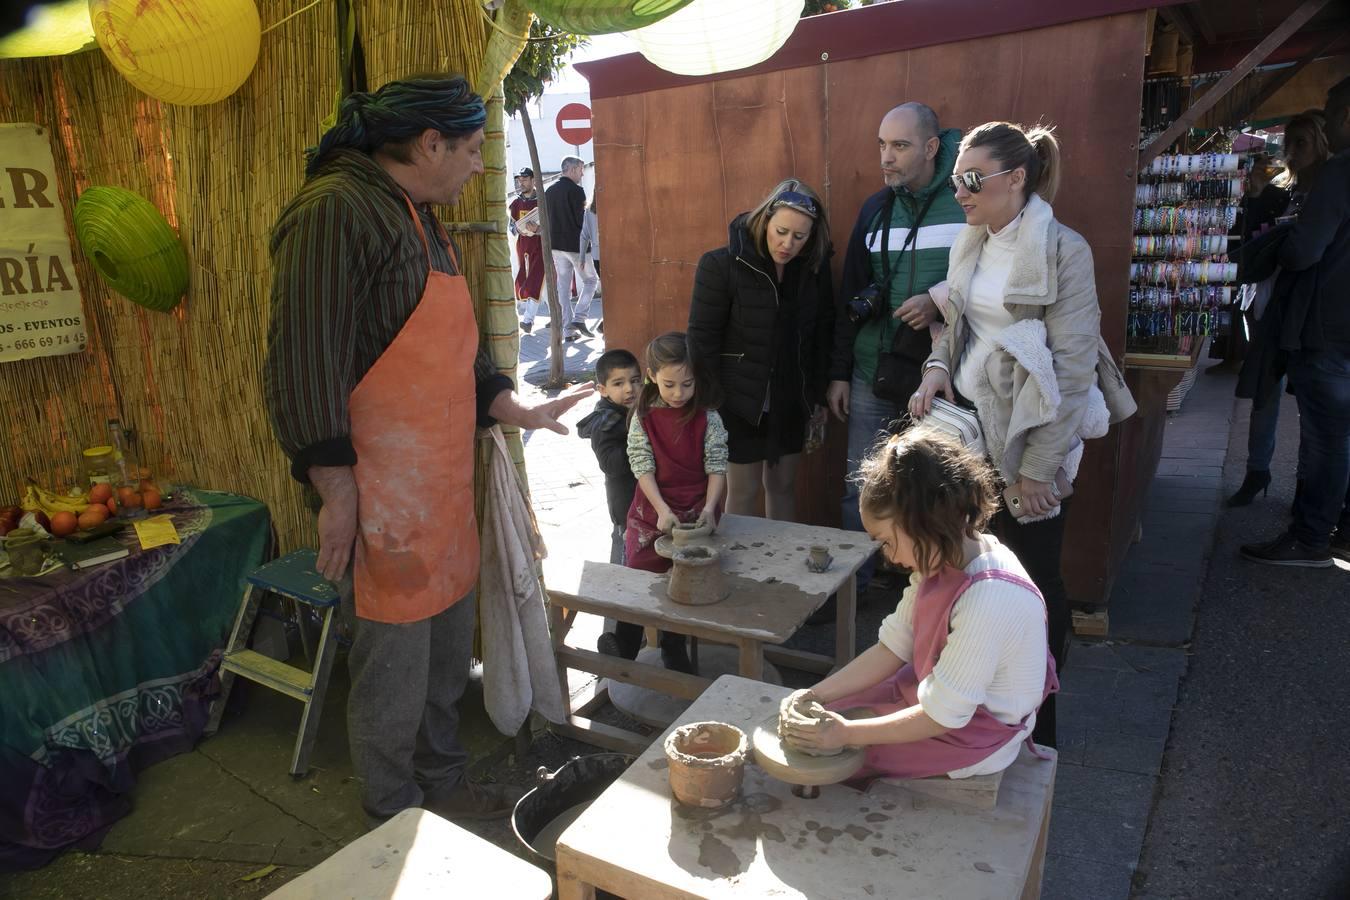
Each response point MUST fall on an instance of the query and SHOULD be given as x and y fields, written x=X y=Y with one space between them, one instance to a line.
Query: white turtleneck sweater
x=985 y=313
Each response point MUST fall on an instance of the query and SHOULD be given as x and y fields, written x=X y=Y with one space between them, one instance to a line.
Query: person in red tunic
x=677 y=448
x=529 y=249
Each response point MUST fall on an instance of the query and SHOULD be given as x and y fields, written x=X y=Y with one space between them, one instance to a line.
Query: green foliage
x=816 y=7
x=539 y=63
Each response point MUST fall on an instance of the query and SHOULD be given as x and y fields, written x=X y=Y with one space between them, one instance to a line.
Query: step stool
x=294 y=576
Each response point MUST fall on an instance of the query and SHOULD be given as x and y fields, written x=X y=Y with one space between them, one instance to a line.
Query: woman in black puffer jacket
x=761 y=323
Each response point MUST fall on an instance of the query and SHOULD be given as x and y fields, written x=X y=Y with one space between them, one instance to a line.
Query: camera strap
x=911 y=241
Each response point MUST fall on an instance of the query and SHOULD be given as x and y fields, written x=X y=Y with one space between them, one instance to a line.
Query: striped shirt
x=348 y=270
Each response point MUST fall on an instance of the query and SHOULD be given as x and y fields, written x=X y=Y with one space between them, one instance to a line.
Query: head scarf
x=398 y=111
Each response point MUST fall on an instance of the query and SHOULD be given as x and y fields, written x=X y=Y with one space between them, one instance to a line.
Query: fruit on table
x=42 y=519
x=128 y=498
x=38 y=499
x=152 y=499
x=112 y=506
x=9 y=518
x=147 y=485
x=64 y=523
x=92 y=518
x=100 y=493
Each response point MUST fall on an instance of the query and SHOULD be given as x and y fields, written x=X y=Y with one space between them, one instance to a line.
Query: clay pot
x=707 y=763
x=820 y=558
x=26 y=549
x=696 y=576
x=690 y=532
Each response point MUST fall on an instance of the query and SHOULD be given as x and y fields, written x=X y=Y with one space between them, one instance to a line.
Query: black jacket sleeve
x=610 y=444
x=818 y=378
x=710 y=309
x=856 y=276
x=1324 y=215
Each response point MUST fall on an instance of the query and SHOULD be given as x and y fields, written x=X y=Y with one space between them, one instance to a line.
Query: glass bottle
x=117 y=439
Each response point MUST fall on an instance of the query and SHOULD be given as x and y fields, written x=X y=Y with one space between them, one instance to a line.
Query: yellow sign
x=156 y=531
x=40 y=312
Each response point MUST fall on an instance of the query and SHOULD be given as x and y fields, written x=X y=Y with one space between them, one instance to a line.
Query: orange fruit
x=146 y=485
x=152 y=499
x=92 y=518
x=131 y=501
x=123 y=493
x=100 y=493
x=64 y=523
x=112 y=506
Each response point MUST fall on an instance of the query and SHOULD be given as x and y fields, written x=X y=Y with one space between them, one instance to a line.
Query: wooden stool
x=292 y=576
x=978 y=791
x=417 y=854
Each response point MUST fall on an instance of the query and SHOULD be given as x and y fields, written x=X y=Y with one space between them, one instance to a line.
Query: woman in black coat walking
x=761 y=322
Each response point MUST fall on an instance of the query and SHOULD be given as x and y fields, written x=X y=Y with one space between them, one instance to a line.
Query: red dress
x=529 y=253
x=678 y=449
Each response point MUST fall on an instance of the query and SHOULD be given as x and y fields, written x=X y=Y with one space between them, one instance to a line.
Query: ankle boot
x=1255 y=483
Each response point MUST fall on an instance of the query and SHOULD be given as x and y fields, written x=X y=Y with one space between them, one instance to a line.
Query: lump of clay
x=804 y=713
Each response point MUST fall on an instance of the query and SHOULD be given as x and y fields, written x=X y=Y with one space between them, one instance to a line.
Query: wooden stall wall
x=189 y=382
x=677 y=164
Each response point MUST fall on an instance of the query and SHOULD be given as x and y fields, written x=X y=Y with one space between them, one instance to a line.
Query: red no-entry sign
x=574 y=124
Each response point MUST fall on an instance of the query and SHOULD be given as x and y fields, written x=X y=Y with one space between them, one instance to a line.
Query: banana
x=50 y=502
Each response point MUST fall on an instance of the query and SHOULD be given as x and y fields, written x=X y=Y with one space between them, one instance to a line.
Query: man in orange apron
x=375 y=383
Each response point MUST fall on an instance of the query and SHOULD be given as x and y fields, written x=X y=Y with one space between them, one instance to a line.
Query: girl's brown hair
x=816 y=250
x=936 y=490
x=1014 y=147
x=672 y=349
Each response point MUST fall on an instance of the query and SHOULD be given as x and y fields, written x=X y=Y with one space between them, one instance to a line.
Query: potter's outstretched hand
x=828 y=732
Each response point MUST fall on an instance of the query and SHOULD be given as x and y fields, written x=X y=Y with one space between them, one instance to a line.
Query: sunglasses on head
x=798 y=201
x=974 y=181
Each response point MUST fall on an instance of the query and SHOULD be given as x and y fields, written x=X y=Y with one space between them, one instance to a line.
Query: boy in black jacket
x=620 y=379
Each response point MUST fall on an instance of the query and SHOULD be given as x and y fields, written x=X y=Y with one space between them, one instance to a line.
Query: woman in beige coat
x=1023 y=348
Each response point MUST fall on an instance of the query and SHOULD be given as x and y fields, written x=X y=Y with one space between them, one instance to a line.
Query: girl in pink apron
x=960 y=668
x=677 y=448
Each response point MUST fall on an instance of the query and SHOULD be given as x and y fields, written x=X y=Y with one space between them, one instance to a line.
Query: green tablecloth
x=107 y=670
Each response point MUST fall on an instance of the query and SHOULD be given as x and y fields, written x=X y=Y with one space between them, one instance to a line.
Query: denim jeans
x=869 y=417
x=1321 y=380
x=567 y=264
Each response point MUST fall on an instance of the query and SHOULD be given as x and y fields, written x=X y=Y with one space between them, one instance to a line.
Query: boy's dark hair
x=612 y=360
x=672 y=349
x=935 y=489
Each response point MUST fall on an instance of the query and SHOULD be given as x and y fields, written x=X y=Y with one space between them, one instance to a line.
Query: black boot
x=1255 y=483
x=675 y=653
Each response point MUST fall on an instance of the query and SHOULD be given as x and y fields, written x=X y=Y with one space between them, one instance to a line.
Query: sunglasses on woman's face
x=798 y=201
x=974 y=181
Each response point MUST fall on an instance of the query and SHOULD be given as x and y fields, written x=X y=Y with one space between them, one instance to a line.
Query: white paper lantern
x=710 y=36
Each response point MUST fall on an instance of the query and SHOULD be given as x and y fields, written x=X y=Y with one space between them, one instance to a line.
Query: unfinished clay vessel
x=805 y=712
x=819 y=559
x=696 y=576
x=707 y=763
x=687 y=533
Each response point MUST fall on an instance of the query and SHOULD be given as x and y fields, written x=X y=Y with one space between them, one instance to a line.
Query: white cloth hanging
x=519 y=672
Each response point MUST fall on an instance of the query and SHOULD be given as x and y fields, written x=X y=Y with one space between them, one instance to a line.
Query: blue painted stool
x=293 y=576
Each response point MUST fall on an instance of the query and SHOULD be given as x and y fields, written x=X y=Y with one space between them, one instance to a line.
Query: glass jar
x=100 y=465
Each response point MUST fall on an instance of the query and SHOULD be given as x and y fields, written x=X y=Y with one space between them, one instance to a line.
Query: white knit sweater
x=985 y=313
x=995 y=653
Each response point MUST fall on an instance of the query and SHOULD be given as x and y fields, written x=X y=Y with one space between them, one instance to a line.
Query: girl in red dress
x=677 y=447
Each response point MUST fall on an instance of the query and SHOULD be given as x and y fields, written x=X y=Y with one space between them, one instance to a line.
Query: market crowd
x=961 y=347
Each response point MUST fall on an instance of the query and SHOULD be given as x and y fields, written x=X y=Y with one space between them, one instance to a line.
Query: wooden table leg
x=558 y=626
x=752 y=660
x=845 y=628
x=570 y=884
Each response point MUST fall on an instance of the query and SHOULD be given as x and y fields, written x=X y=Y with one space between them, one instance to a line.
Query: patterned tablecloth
x=108 y=670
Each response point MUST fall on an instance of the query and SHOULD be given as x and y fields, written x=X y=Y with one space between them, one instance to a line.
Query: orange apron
x=412 y=424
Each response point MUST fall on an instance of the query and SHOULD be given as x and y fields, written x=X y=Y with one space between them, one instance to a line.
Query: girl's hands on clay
x=666 y=521
x=827 y=732
x=708 y=517
x=786 y=709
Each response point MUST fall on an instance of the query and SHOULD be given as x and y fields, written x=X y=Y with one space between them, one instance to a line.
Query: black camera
x=867 y=305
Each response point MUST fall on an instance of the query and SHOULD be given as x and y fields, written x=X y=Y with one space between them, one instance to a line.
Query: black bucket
x=575 y=783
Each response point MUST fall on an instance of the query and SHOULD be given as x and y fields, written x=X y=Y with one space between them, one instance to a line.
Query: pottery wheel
x=657 y=709
x=795 y=767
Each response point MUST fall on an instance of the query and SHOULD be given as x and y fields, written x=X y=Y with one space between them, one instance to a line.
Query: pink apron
x=975 y=741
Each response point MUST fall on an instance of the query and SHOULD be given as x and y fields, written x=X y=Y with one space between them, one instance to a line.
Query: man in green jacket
x=898 y=249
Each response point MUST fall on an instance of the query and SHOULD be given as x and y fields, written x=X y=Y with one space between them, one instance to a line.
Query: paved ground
x=1240 y=801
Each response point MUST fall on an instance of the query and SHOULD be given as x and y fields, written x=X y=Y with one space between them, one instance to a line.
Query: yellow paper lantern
x=188 y=52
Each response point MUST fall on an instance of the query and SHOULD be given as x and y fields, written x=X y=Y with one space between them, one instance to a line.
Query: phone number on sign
x=18 y=345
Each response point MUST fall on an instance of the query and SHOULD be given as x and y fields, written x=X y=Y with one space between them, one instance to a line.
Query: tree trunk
x=555 y=315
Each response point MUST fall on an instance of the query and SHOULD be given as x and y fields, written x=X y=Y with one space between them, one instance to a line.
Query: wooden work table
x=637 y=842
x=772 y=594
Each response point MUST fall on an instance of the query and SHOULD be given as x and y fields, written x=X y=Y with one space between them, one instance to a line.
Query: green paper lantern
x=133 y=248
x=603 y=16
